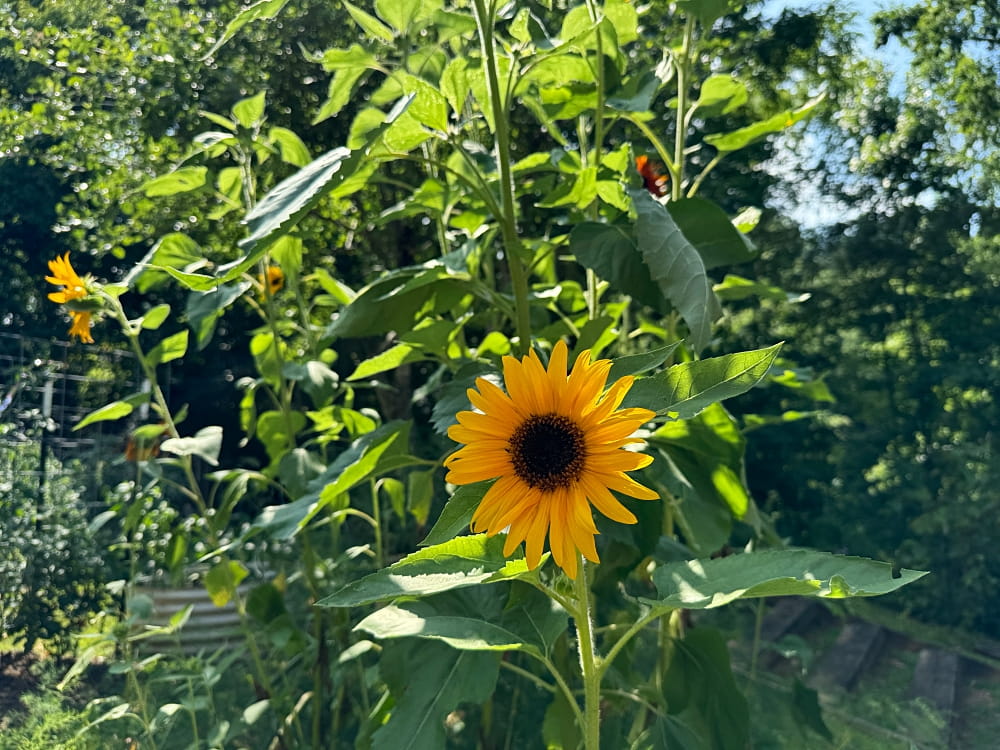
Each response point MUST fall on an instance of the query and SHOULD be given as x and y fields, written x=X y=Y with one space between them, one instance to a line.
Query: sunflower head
x=76 y=295
x=556 y=444
x=273 y=279
x=73 y=287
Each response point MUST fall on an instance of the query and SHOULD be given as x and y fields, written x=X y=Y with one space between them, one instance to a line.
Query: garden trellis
x=47 y=387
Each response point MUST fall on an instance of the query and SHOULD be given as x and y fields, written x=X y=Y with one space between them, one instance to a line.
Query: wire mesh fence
x=46 y=388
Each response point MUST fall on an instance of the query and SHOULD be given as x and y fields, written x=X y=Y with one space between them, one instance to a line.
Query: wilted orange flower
x=654 y=181
x=144 y=442
x=73 y=288
x=556 y=442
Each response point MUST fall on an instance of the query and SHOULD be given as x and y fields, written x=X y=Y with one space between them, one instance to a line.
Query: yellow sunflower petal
x=519 y=385
x=544 y=398
x=81 y=326
x=557 y=367
x=493 y=502
x=583 y=531
x=612 y=399
x=560 y=532
x=619 y=461
x=534 y=541
x=628 y=486
x=608 y=504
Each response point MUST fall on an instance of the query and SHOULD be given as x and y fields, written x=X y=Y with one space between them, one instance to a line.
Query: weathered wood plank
x=935 y=678
x=841 y=665
x=789 y=613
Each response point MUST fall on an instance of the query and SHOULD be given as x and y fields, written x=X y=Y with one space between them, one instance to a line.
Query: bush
x=51 y=567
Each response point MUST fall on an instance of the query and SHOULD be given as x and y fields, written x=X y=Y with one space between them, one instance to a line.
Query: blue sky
x=807 y=205
x=893 y=54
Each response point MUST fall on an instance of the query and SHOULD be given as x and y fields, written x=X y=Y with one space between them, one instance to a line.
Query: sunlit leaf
x=737 y=139
x=262 y=9
x=635 y=364
x=286 y=203
x=465 y=561
x=222 y=579
x=180 y=180
x=360 y=461
x=369 y=23
x=114 y=410
x=206 y=444
x=171 y=348
x=703 y=584
x=687 y=388
x=721 y=94
x=250 y=111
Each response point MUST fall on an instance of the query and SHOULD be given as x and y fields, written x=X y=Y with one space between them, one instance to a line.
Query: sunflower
x=273 y=279
x=73 y=288
x=555 y=444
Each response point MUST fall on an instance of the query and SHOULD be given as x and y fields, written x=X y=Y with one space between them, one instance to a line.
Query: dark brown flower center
x=548 y=451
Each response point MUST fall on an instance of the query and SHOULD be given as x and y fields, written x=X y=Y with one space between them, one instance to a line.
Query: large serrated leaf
x=703 y=584
x=737 y=139
x=294 y=196
x=463 y=633
x=465 y=561
x=634 y=364
x=712 y=233
x=360 y=461
x=688 y=388
x=676 y=266
x=428 y=681
x=610 y=251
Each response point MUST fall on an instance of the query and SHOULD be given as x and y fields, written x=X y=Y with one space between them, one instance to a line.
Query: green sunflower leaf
x=463 y=633
x=456 y=516
x=427 y=681
x=465 y=561
x=704 y=584
x=687 y=389
x=634 y=364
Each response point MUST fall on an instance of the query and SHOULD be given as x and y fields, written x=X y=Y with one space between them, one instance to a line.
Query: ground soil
x=16 y=679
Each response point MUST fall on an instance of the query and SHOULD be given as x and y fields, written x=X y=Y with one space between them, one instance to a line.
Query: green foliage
x=51 y=569
x=492 y=144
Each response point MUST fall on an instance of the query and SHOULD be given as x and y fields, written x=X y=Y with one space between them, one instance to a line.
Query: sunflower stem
x=683 y=61
x=589 y=660
x=507 y=219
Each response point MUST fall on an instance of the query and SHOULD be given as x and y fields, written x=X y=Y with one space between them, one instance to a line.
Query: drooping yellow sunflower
x=73 y=288
x=81 y=326
x=556 y=443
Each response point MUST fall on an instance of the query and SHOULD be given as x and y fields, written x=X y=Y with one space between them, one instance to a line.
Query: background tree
x=902 y=320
